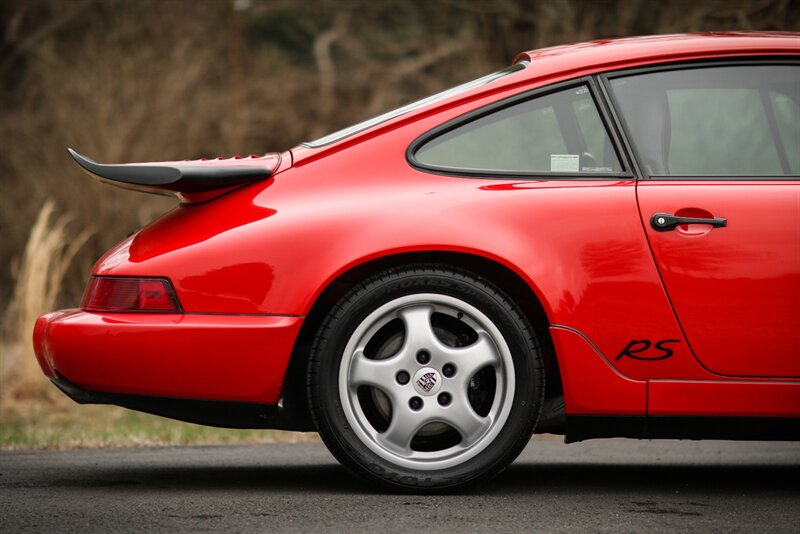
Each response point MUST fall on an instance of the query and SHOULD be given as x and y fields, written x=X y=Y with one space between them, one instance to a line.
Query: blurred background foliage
x=139 y=80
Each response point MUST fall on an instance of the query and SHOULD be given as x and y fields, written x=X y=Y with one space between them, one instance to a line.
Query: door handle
x=664 y=222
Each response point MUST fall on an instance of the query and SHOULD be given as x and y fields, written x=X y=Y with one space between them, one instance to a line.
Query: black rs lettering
x=637 y=346
x=631 y=349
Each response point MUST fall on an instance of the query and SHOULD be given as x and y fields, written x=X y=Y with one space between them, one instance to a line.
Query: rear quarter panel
x=274 y=247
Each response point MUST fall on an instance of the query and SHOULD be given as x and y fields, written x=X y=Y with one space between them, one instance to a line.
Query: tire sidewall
x=355 y=307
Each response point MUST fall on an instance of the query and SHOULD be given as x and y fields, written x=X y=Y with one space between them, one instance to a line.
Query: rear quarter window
x=559 y=132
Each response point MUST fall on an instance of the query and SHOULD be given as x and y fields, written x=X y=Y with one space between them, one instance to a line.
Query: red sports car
x=602 y=239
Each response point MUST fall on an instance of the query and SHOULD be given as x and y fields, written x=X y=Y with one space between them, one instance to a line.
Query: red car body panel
x=249 y=267
x=213 y=357
x=595 y=387
x=743 y=277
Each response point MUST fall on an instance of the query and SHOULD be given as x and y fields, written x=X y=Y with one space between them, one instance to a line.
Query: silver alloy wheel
x=416 y=369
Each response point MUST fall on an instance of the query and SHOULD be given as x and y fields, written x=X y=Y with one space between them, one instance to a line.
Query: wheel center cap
x=427 y=381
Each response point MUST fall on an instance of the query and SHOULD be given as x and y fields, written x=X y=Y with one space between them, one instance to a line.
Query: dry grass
x=62 y=424
x=50 y=250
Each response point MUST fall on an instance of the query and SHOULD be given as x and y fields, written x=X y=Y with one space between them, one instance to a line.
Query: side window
x=714 y=121
x=787 y=115
x=558 y=132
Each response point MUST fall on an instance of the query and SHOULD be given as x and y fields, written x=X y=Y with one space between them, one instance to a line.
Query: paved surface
x=604 y=485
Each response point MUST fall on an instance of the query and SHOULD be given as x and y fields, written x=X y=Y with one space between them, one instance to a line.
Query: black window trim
x=600 y=105
x=605 y=79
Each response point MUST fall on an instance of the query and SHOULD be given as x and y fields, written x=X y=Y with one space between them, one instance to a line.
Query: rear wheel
x=426 y=378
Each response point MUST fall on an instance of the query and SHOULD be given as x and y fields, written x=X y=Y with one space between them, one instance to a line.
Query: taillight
x=126 y=295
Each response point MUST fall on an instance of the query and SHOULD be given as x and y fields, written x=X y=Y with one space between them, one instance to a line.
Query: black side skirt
x=583 y=427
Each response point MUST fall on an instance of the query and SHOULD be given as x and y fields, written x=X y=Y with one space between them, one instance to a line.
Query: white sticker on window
x=564 y=162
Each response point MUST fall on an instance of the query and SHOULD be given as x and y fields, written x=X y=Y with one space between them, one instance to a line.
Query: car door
x=718 y=146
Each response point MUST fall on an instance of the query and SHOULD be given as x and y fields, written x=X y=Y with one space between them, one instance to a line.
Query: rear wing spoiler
x=191 y=181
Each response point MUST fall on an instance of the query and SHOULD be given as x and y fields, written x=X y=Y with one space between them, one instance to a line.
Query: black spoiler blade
x=175 y=177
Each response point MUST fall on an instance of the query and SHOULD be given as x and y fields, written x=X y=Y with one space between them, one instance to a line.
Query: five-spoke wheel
x=426 y=378
x=426 y=381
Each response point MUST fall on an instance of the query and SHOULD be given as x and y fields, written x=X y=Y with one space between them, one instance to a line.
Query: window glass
x=558 y=132
x=716 y=121
x=708 y=138
x=598 y=144
x=787 y=115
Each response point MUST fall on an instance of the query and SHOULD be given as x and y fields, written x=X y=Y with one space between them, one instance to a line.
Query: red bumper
x=213 y=357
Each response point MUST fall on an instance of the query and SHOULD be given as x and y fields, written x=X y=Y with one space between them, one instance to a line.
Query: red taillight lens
x=146 y=295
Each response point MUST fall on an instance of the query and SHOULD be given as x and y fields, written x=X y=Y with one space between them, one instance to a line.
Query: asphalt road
x=604 y=485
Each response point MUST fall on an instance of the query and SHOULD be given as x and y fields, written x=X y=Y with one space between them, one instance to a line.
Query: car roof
x=548 y=65
x=609 y=54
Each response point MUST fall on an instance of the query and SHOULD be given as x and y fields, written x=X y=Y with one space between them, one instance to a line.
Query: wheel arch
x=295 y=402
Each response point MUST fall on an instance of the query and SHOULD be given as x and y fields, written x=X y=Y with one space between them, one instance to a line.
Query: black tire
x=364 y=405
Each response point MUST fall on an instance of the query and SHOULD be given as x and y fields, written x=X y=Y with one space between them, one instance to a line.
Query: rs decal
x=636 y=347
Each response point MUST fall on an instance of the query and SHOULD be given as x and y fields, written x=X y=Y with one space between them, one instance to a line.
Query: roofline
x=549 y=65
x=667 y=47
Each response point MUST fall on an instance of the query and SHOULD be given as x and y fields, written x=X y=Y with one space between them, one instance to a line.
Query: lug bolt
x=423 y=357
x=402 y=378
x=444 y=398
x=449 y=370
x=415 y=403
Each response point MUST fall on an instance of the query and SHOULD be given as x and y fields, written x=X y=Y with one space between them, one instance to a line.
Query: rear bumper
x=232 y=358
